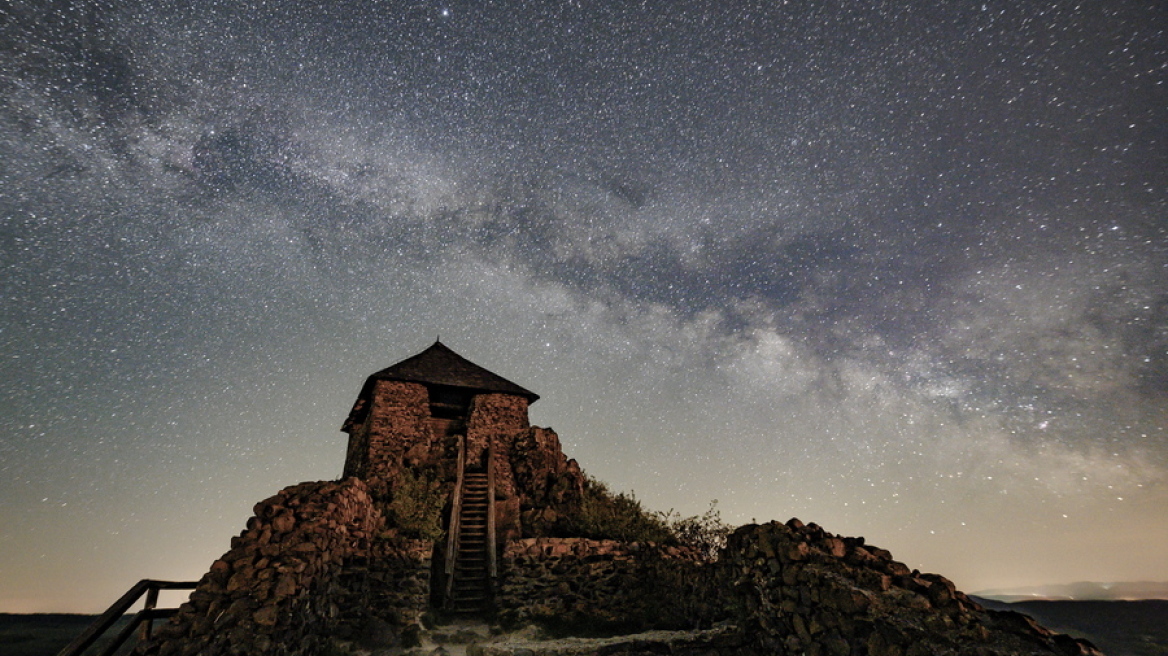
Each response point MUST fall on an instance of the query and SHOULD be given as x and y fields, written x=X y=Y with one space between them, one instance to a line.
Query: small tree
x=706 y=533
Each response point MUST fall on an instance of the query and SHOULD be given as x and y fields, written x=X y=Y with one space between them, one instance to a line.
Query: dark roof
x=438 y=365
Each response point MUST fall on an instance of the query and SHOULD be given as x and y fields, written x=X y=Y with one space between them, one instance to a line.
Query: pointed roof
x=437 y=365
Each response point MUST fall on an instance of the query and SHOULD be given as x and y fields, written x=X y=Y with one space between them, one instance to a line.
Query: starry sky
x=897 y=268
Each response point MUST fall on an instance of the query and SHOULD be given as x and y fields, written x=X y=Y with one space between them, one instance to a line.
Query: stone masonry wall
x=495 y=418
x=547 y=482
x=281 y=588
x=399 y=426
x=396 y=432
x=379 y=598
x=534 y=480
x=788 y=588
x=580 y=585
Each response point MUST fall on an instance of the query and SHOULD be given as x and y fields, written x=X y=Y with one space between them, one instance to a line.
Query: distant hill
x=1082 y=591
x=44 y=634
x=1118 y=628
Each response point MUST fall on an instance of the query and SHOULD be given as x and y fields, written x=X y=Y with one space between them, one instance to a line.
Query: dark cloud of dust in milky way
x=898 y=270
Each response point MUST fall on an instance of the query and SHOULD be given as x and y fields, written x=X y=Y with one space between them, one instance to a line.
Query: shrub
x=604 y=515
x=706 y=533
x=416 y=505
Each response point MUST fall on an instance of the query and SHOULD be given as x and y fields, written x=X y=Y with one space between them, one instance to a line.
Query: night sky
x=900 y=269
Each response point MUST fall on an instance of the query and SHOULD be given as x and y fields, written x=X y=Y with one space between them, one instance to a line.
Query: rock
x=286 y=586
x=835 y=547
x=266 y=616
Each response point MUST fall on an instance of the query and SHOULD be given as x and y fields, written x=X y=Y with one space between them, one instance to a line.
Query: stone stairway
x=471 y=589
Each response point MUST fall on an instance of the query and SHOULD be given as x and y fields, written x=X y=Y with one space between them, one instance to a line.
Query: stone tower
x=420 y=410
x=440 y=414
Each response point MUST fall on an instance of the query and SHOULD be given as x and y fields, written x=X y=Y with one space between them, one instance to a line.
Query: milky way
x=898 y=270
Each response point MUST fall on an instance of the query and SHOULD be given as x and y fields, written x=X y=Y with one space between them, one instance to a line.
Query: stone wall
x=310 y=565
x=494 y=421
x=798 y=589
x=317 y=566
x=577 y=585
x=546 y=479
x=396 y=431
x=495 y=418
x=379 y=598
x=788 y=588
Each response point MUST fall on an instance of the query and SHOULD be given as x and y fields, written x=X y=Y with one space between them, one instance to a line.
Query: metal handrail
x=144 y=618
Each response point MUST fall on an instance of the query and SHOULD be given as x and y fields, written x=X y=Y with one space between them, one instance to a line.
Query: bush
x=416 y=505
x=706 y=533
x=603 y=515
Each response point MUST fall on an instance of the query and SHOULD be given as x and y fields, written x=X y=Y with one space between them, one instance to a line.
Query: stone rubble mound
x=800 y=589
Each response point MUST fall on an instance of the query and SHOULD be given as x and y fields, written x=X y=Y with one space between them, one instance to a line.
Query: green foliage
x=604 y=515
x=416 y=505
x=706 y=533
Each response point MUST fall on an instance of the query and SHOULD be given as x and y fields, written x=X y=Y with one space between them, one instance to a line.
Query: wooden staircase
x=471 y=586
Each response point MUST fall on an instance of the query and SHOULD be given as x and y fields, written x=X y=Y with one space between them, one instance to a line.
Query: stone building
x=466 y=427
x=419 y=410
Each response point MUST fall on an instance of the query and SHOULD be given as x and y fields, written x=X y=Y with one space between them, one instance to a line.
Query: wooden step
x=470 y=587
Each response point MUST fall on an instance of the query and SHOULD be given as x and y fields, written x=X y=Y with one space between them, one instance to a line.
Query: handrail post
x=492 y=569
x=454 y=524
x=107 y=619
x=151 y=602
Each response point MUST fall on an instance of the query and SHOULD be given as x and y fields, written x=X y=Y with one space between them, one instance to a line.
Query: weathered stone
x=283 y=523
x=286 y=586
x=266 y=616
x=834 y=547
x=240 y=581
x=797 y=551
